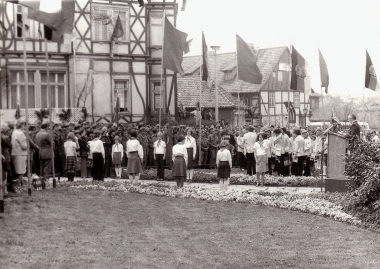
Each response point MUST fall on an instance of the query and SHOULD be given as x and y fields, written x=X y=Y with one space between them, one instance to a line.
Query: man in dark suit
x=354 y=128
x=43 y=140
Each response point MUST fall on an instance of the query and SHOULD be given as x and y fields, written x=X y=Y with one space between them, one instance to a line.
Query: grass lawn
x=71 y=228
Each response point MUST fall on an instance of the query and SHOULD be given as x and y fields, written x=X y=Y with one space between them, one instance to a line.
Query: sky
x=341 y=29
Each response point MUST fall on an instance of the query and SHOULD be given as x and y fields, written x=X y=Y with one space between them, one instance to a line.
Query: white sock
x=226 y=183
x=137 y=177
x=191 y=173
x=221 y=184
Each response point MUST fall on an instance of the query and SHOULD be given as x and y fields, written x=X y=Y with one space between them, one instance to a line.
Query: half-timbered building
x=271 y=102
x=89 y=69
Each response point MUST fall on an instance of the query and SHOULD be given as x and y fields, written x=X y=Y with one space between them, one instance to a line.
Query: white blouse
x=70 y=148
x=134 y=145
x=224 y=155
x=180 y=150
x=260 y=149
x=118 y=148
x=190 y=143
x=96 y=146
x=159 y=148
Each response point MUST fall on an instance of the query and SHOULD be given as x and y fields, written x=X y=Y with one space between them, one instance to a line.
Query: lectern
x=337 y=149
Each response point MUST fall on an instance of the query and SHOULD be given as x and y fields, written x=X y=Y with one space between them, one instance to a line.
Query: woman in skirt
x=180 y=161
x=70 y=147
x=224 y=165
x=260 y=149
x=135 y=155
x=191 y=147
x=117 y=156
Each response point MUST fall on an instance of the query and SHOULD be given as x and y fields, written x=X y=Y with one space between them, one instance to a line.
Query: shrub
x=363 y=169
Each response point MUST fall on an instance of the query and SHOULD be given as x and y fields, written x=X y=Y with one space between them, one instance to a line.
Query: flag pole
x=200 y=107
x=290 y=81
x=162 y=70
x=26 y=100
x=50 y=113
x=237 y=81
x=323 y=111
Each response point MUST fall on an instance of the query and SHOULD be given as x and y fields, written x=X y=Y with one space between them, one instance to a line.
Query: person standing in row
x=19 y=149
x=44 y=142
x=261 y=156
x=249 y=142
x=282 y=144
x=83 y=153
x=213 y=141
x=240 y=150
x=191 y=147
x=299 y=151
x=135 y=156
x=117 y=156
x=308 y=146
x=98 y=156
x=71 y=159
x=159 y=152
x=180 y=159
x=224 y=165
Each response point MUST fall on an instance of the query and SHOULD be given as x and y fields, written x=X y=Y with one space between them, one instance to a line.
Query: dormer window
x=230 y=74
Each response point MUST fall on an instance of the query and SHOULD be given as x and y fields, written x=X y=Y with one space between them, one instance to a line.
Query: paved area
x=237 y=188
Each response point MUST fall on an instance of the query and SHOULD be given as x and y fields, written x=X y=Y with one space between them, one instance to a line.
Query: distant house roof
x=188 y=94
x=267 y=60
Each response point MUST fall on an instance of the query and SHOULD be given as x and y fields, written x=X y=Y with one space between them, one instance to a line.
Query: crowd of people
x=102 y=150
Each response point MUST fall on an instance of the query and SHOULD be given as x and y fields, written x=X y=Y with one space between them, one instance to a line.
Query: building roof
x=314 y=94
x=188 y=94
x=267 y=60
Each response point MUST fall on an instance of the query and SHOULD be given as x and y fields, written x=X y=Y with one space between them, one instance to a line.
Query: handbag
x=89 y=163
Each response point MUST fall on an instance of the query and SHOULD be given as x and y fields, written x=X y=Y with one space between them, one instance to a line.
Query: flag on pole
x=370 y=74
x=58 y=15
x=324 y=72
x=118 y=30
x=300 y=74
x=18 y=112
x=246 y=63
x=205 y=73
x=173 y=48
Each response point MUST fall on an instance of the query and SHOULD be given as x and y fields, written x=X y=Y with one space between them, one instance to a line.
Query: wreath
x=42 y=114
x=65 y=115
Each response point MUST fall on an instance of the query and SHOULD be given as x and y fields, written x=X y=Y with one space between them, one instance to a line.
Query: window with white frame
x=57 y=85
x=103 y=21
x=271 y=99
x=17 y=95
x=279 y=75
x=122 y=91
x=156 y=31
x=296 y=99
x=37 y=85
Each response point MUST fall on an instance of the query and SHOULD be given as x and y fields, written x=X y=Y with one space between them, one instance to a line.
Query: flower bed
x=313 y=204
x=239 y=179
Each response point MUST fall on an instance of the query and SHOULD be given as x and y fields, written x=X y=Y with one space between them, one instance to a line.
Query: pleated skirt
x=224 y=170
x=179 y=167
x=134 y=163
